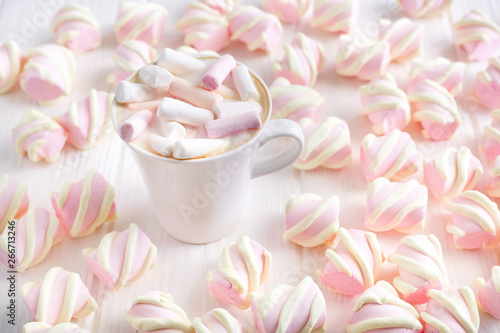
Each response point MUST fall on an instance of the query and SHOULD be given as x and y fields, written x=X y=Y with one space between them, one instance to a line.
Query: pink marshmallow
x=493 y=189
x=222 y=6
x=14 y=201
x=491 y=139
x=404 y=36
x=448 y=74
x=288 y=11
x=219 y=128
x=488 y=293
x=425 y=8
x=217 y=320
x=218 y=72
x=487 y=87
x=11 y=64
x=193 y=94
x=132 y=127
x=129 y=56
x=335 y=15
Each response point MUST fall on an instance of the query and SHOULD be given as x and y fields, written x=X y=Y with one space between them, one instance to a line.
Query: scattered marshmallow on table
x=354 y=262
x=39 y=137
x=335 y=15
x=220 y=128
x=311 y=220
x=14 y=200
x=288 y=11
x=185 y=149
x=185 y=113
x=448 y=74
x=244 y=84
x=487 y=87
x=488 y=293
x=222 y=6
x=491 y=140
x=493 y=189
x=404 y=36
x=129 y=56
x=230 y=109
x=179 y=63
x=38 y=327
x=218 y=72
x=217 y=320
x=133 y=126
x=11 y=65
x=452 y=172
x=77 y=28
x=425 y=8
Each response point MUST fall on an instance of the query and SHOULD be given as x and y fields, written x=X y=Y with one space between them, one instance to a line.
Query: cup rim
x=139 y=150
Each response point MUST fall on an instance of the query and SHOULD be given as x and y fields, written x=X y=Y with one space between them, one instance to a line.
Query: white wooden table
x=181 y=268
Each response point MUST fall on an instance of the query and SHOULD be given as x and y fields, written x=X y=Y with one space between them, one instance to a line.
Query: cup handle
x=275 y=129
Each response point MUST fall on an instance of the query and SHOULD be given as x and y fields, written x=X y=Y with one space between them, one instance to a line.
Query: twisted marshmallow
x=58 y=298
x=477 y=35
x=436 y=110
x=140 y=21
x=157 y=311
x=385 y=105
x=452 y=172
x=295 y=101
x=39 y=137
x=491 y=141
x=353 y=262
x=304 y=57
x=475 y=220
x=14 y=201
x=84 y=205
x=77 y=28
x=87 y=121
x=288 y=11
x=256 y=28
x=404 y=36
x=393 y=205
x=335 y=15
x=393 y=156
x=493 y=189
x=129 y=56
x=222 y=6
x=48 y=74
x=487 y=87
x=420 y=264
x=243 y=267
x=290 y=309
x=35 y=234
x=310 y=220
x=379 y=309
x=425 y=8
x=488 y=293
x=365 y=61
x=10 y=66
x=327 y=144
x=37 y=327
x=451 y=311
x=204 y=28
x=448 y=74
x=217 y=320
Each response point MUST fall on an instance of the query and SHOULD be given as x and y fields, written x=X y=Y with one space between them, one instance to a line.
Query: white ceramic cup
x=201 y=200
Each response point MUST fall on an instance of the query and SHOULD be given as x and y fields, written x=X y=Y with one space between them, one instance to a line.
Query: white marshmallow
x=193 y=148
x=179 y=63
x=230 y=109
x=128 y=92
x=173 y=130
x=156 y=76
x=175 y=110
x=161 y=145
x=244 y=84
x=227 y=93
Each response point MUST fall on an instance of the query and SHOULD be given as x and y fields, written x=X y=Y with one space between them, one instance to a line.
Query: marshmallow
x=204 y=27
x=243 y=267
x=195 y=148
x=436 y=110
x=448 y=74
x=58 y=298
x=173 y=130
x=38 y=327
x=493 y=189
x=77 y=28
x=39 y=137
x=230 y=109
x=48 y=74
x=36 y=233
x=477 y=35
x=362 y=60
x=487 y=87
x=452 y=172
x=354 y=262
x=475 y=220
x=222 y=6
x=392 y=205
x=217 y=320
x=404 y=36
x=140 y=21
x=244 y=84
x=156 y=76
x=304 y=58
x=157 y=311
x=310 y=220
x=288 y=11
x=452 y=310
x=327 y=144
x=385 y=105
x=129 y=92
x=256 y=28
x=290 y=309
x=420 y=267
x=84 y=205
x=189 y=50
x=14 y=201
x=179 y=63
x=193 y=94
x=10 y=66
x=295 y=101
x=488 y=293
x=129 y=56
x=335 y=15
x=379 y=309
x=393 y=156
x=121 y=257
x=218 y=72
x=88 y=120
x=133 y=126
x=175 y=110
x=425 y=8
x=491 y=141
x=219 y=128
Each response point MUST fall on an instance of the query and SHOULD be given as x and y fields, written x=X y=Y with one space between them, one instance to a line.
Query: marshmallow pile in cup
x=184 y=107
